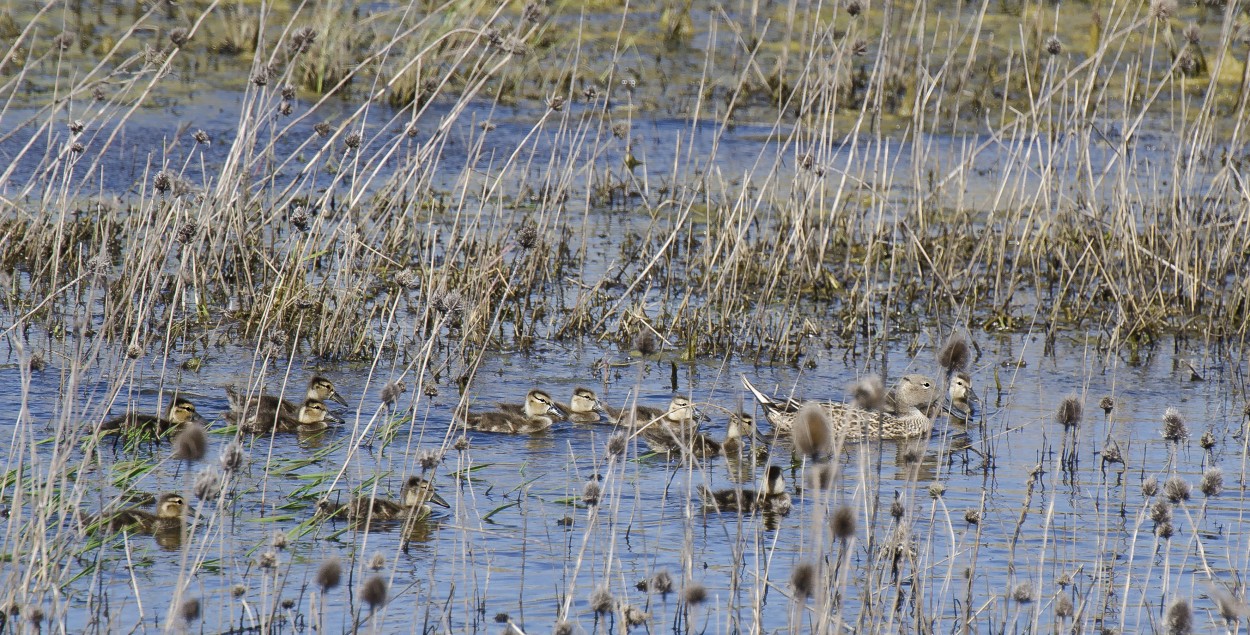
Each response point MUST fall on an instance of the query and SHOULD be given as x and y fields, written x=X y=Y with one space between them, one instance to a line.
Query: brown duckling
x=584 y=407
x=739 y=436
x=904 y=420
x=680 y=413
x=319 y=389
x=181 y=412
x=773 y=498
x=540 y=412
x=170 y=510
x=311 y=417
x=414 y=499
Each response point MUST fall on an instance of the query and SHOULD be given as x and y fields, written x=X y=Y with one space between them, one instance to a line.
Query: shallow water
x=503 y=547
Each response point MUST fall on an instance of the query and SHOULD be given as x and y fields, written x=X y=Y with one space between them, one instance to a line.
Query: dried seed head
x=302 y=39
x=1207 y=441
x=896 y=508
x=1063 y=606
x=1161 y=512
x=556 y=102
x=1230 y=608
x=392 y=390
x=288 y=92
x=854 y=8
x=1150 y=487
x=1162 y=10
x=407 y=279
x=285 y=108
x=1176 y=489
x=868 y=393
x=279 y=540
x=191 y=443
x=179 y=36
x=937 y=489
x=1107 y=404
x=377 y=562
x=299 y=218
x=232 y=457
x=601 y=601
x=238 y=590
x=1165 y=530
x=812 y=431
x=373 y=591
x=207 y=483
x=322 y=129
x=616 y=445
x=64 y=40
x=1179 y=619
x=695 y=594
x=34 y=615
x=76 y=127
x=134 y=351
x=972 y=517
x=527 y=237
x=162 y=182
x=803 y=579
x=843 y=523
x=660 y=582
x=261 y=76
x=954 y=355
x=591 y=492
x=1111 y=453
x=562 y=627
x=1212 y=482
x=502 y=618
x=1053 y=45
x=329 y=574
x=429 y=459
x=287 y=604
x=268 y=560
x=430 y=390
x=190 y=610
x=635 y=616
x=186 y=233
x=202 y=138
x=1069 y=413
x=1174 y=428
x=353 y=140
x=77 y=148
x=461 y=444
x=1023 y=593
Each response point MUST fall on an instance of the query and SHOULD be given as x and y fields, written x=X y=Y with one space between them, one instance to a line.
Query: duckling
x=319 y=389
x=741 y=427
x=414 y=499
x=540 y=412
x=170 y=509
x=964 y=404
x=681 y=413
x=684 y=440
x=906 y=421
x=311 y=417
x=772 y=499
x=584 y=407
x=181 y=411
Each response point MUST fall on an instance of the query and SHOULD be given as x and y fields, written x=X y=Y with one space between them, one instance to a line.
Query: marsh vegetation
x=441 y=206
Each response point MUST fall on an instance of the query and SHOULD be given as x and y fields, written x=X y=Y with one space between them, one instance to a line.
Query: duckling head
x=916 y=391
x=585 y=401
x=961 y=388
x=418 y=491
x=774 y=482
x=182 y=411
x=314 y=414
x=326 y=509
x=171 y=506
x=681 y=410
x=322 y=389
x=538 y=404
x=740 y=423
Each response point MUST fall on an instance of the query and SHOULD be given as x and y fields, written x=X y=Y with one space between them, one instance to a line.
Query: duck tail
x=765 y=400
x=235 y=399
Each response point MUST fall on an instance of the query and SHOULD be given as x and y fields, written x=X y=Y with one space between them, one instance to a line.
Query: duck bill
x=338 y=399
x=333 y=418
x=556 y=411
x=438 y=500
x=199 y=418
x=598 y=407
x=699 y=415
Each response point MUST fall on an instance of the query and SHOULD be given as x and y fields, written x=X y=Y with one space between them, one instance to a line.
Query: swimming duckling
x=170 y=509
x=964 y=403
x=414 y=499
x=319 y=389
x=741 y=428
x=181 y=411
x=907 y=421
x=681 y=413
x=311 y=417
x=540 y=412
x=584 y=407
x=772 y=499
x=684 y=440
